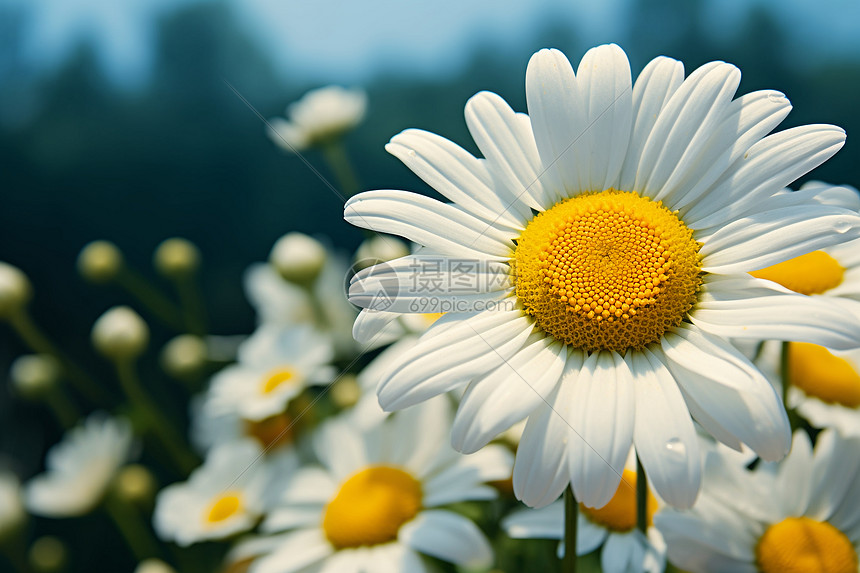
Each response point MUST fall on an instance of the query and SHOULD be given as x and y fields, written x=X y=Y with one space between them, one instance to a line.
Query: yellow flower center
x=607 y=270
x=812 y=273
x=822 y=375
x=276 y=378
x=371 y=506
x=620 y=513
x=272 y=432
x=224 y=507
x=803 y=545
x=431 y=317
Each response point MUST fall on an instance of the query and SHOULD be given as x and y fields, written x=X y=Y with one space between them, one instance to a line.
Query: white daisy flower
x=275 y=365
x=321 y=115
x=278 y=301
x=604 y=318
x=625 y=548
x=80 y=468
x=373 y=506
x=211 y=427
x=800 y=515
x=228 y=494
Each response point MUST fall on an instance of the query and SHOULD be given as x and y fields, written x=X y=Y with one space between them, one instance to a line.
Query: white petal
x=663 y=434
x=468 y=349
x=284 y=518
x=653 y=88
x=309 y=485
x=458 y=175
x=439 y=226
x=392 y=558
x=760 y=240
x=544 y=523
x=541 y=469
x=589 y=535
x=835 y=469
x=604 y=91
x=465 y=478
x=506 y=140
x=683 y=125
x=745 y=307
x=376 y=327
x=556 y=116
x=601 y=414
x=795 y=476
x=622 y=553
x=730 y=389
x=508 y=394
x=340 y=448
x=417 y=435
x=448 y=536
x=767 y=167
x=431 y=283
x=743 y=123
x=297 y=551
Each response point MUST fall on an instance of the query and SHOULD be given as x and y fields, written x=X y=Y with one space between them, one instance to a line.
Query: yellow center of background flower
x=803 y=545
x=620 y=513
x=271 y=432
x=371 y=506
x=608 y=270
x=225 y=506
x=812 y=273
x=820 y=374
x=276 y=378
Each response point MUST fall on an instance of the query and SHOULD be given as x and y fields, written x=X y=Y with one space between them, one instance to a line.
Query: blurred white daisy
x=80 y=468
x=275 y=365
x=225 y=496
x=604 y=318
x=373 y=506
x=211 y=427
x=800 y=515
x=320 y=116
x=625 y=548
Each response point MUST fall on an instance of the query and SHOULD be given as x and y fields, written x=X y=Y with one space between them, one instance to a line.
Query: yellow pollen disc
x=276 y=378
x=812 y=273
x=272 y=432
x=371 y=506
x=620 y=513
x=803 y=545
x=607 y=270
x=820 y=374
x=225 y=506
x=431 y=317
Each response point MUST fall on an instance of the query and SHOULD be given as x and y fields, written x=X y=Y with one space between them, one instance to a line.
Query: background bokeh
x=116 y=123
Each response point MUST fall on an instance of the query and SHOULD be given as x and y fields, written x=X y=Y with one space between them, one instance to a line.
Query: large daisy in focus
x=375 y=504
x=801 y=515
x=593 y=266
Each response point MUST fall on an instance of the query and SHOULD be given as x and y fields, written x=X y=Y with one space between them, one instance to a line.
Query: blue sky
x=349 y=40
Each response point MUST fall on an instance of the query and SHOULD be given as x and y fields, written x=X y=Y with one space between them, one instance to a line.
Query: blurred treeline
x=181 y=155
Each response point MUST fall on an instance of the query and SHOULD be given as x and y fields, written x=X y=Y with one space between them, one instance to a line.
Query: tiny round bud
x=135 y=484
x=100 y=261
x=13 y=515
x=34 y=375
x=176 y=258
x=120 y=333
x=15 y=289
x=298 y=257
x=379 y=249
x=184 y=356
x=346 y=392
x=154 y=566
x=48 y=554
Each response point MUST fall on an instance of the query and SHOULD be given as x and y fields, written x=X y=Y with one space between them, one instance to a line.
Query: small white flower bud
x=154 y=566
x=48 y=554
x=34 y=375
x=184 y=356
x=135 y=484
x=15 y=289
x=100 y=261
x=346 y=392
x=120 y=333
x=380 y=249
x=298 y=258
x=176 y=258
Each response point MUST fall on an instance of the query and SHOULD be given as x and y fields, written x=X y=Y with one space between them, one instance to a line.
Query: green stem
x=192 y=305
x=571 y=508
x=157 y=303
x=317 y=308
x=63 y=408
x=338 y=161
x=136 y=533
x=39 y=343
x=170 y=438
x=641 y=497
